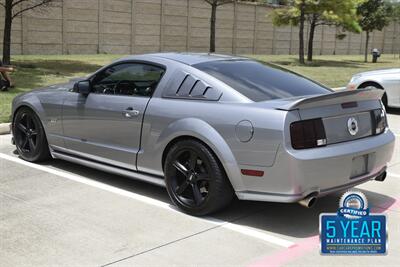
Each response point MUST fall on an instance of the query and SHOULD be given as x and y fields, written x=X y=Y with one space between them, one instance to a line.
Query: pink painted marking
x=296 y=251
x=388 y=206
x=284 y=256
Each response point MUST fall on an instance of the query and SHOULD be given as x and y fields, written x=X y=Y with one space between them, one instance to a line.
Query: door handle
x=130 y=112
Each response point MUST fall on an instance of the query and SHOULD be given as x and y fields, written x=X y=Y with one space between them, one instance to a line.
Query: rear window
x=260 y=82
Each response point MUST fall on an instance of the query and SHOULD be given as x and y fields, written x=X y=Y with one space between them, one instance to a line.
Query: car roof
x=187 y=58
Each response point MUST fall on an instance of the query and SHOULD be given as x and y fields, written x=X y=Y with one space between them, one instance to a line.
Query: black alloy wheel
x=195 y=180
x=29 y=136
x=191 y=181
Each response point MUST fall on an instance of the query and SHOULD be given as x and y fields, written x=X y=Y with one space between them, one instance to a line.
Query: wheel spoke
x=21 y=127
x=203 y=177
x=24 y=143
x=33 y=133
x=32 y=144
x=179 y=191
x=180 y=167
x=28 y=122
x=192 y=160
x=196 y=194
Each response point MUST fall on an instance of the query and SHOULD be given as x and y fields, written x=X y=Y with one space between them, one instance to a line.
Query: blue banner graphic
x=353 y=230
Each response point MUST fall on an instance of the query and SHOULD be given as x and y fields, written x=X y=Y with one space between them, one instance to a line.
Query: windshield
x=260 y=82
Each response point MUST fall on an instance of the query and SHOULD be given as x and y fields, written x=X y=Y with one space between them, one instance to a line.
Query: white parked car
x=385 y=79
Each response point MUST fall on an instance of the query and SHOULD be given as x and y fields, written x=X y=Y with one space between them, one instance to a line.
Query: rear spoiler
x=339 y=97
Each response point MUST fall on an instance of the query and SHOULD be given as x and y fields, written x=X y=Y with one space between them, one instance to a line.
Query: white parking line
x=224 y=224
x=89 y=182
x=393 y=174
x=257 y=234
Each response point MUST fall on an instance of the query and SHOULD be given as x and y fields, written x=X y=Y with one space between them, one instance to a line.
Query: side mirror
x=82 y=87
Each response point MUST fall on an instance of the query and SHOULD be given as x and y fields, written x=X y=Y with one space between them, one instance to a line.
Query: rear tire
x=30 y=138
x=372 y=85
x=195 y=179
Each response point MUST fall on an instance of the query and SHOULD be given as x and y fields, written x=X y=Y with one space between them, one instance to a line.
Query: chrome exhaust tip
x=308 y=202
x=381 y=177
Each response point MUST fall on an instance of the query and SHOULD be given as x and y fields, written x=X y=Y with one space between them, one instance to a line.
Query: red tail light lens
x=379 y=122
x=307 y=134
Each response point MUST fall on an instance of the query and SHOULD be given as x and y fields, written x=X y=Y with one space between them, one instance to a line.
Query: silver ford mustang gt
x=209 y=127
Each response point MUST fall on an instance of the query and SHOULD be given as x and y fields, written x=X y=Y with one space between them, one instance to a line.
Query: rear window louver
x=186 y=86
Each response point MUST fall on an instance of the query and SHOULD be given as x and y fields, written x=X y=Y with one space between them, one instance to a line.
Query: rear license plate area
x=359 y=166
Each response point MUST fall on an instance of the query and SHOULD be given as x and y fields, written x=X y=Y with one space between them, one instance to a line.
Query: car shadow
x=393 y=111
x=293 y=220
x=289 y=219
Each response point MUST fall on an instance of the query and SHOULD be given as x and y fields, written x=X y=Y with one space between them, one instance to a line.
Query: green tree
x=332 y=13
x=395 y=9
x=323 y=12
x=395 y=16
x=373 y=15
x=294 y=15
x=214 y=5
x=396 y=12
x=13 y=9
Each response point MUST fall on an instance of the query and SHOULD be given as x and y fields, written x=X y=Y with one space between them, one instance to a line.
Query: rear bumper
x=299 y=173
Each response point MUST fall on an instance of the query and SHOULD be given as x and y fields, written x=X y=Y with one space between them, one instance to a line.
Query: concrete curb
x=5 y=128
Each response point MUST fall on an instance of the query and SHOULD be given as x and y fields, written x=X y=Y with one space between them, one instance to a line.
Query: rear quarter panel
x=214 y=123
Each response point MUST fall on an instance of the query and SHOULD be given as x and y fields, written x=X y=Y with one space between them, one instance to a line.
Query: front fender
x=31 y=101
x=47 y=107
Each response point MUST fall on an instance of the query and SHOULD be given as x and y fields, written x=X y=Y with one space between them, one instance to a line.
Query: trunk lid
x=346 y=115
x=336 y=98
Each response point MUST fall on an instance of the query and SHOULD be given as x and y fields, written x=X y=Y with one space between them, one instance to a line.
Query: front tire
x=195 y=179
x=29 y=135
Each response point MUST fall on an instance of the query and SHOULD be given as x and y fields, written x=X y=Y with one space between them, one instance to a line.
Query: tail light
x=307 y=134
x=379 y=121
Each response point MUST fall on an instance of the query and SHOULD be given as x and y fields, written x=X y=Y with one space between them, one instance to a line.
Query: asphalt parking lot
x=59 y=213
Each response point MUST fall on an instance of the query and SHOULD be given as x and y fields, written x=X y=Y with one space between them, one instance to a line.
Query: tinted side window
x=132 y=79
x=261 y=82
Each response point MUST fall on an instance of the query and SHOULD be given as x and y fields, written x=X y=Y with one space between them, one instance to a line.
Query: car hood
x=56 y=87
x=380 y=72
x=77 y=79
x=59 y=87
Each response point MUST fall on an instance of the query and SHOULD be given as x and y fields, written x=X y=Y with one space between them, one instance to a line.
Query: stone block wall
x=141 y=26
